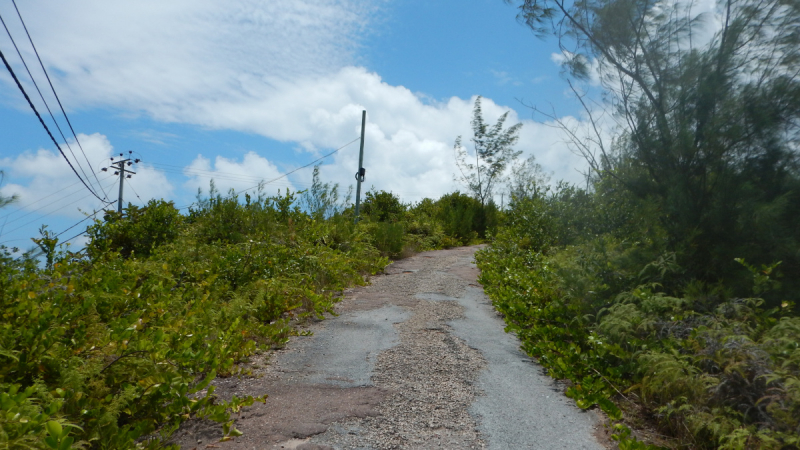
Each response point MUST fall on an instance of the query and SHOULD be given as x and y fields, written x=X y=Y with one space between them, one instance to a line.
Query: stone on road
x=418 y=359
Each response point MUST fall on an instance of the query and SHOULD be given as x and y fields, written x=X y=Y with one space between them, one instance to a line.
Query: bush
x=613 y=313
x=382 y=206
x=388 y=238
x=104 y=348
x=136 y=231
x=462 y=217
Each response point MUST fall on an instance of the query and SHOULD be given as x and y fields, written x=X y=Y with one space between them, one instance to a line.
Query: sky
x=243 y=90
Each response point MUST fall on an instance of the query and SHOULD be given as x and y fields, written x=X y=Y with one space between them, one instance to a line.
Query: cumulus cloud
x=52 y=187
x=284 y=69
x=409 y=142
x=239 y=176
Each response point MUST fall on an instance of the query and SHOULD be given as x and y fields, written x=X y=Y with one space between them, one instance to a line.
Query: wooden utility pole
x=121 y=170
x=361 y=171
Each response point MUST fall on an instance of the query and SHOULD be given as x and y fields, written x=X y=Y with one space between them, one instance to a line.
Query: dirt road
x=418 y=359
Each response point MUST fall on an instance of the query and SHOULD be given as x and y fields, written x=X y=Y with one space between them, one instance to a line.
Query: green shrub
x=137 y=231
x=388 y=238
x=610 y=314
x=116 y=346
x=382 y=206
x=120 y=343
x=457 y=213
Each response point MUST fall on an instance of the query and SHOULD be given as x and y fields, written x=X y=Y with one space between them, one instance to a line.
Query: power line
x=303 y=167
x=207 y=174
x=54 y=211
x=56 y=95
x=287 y=173
x=21 y=208
x=51 y=213
x=227 y=178
x=84 y=220
x=137 y=194
x=43 y=207
x=169 y=168
x=74 y=225
x=200 y=172
x=73 y=237
x=30 y=103
x=41 y=96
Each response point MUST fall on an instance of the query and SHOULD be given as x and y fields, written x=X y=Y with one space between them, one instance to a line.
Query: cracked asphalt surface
x=418 y=359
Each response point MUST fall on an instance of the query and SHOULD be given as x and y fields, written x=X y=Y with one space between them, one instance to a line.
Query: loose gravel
x=417 y=359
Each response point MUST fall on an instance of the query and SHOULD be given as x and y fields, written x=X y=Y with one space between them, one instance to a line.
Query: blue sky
x=246 y=90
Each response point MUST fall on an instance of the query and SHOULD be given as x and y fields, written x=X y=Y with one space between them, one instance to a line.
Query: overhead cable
x=55 y=94
x=215 y=176
x=75 y=225
x=41 y=96
x=21 y=208
x=287 y=173
x=137 y=194
x=303 y=167
x=38 y=116
x=54 y=211
x=59 y=199
x=34 y=211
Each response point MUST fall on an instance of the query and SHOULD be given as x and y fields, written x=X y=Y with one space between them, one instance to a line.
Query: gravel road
x=418 y=359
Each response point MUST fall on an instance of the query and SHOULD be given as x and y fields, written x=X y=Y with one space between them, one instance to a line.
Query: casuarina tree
x=708 y=111
x=493 y=146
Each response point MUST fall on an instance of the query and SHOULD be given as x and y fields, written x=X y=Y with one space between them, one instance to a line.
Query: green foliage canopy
x=493 y=147
x=708 y=124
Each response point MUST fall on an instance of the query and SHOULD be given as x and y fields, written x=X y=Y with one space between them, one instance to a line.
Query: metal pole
x=360 y=173
x=121 y=180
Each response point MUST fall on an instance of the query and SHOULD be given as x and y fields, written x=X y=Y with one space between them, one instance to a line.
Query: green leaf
x=54 y=429
x=51 y=442
x=66 y=444
x=608 y=407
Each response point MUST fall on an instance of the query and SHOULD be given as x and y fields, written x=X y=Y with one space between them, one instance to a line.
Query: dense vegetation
x=668 y=289
x=666 y=292
x=114 y=346
x=586 y=279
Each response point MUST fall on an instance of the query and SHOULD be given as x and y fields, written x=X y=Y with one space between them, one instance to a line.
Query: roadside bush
x=382 y=206
x=389 y=238
x=137 y=231
x=460 y=216
x=614 y=314
x=116 y=347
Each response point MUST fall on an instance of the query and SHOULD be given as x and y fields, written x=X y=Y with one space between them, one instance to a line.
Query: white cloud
x=52 y=187
x=239 y=176
x=161 y=57
x=409 y=143
x=282 y=69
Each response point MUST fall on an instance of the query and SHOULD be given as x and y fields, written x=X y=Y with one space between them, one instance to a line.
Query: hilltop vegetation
x=588 y=283
x=665 y=292
x=667 y=289
x=114 y=346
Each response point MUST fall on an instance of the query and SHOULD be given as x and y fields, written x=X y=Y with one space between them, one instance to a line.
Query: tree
x=322 y=200
x=493 y=151
x=383 y=206
x=708 y=117
x=528 y=179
